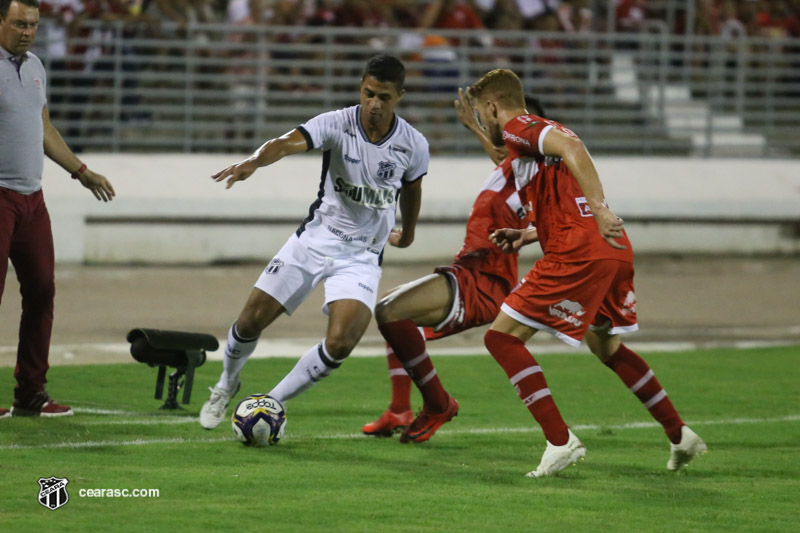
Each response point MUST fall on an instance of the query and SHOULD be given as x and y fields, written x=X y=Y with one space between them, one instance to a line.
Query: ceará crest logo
x=53 y=492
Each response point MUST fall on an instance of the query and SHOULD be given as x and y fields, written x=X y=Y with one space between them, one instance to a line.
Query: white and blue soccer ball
x=259 y=420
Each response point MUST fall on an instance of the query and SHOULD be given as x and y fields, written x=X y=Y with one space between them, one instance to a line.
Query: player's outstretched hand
x=238 y=172
x=398 y=239
x=610 y=226
x=98 y=184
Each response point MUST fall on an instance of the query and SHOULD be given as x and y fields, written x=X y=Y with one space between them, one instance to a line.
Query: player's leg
x=505 y=340
x=347 y=323
x=282 y=286
x=617 y=314
x=399 y=415
x=637 y=375
x=424 y=302
x=259 y=311
x=351 y=288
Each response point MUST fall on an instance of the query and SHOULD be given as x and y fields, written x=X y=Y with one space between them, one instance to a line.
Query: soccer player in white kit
x=370 y=155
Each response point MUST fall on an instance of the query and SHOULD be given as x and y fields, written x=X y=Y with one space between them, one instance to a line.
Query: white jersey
x=355 y=208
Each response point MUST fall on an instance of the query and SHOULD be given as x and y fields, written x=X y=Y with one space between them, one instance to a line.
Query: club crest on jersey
x=386 y=170
x=274 y=266
x=53 y=492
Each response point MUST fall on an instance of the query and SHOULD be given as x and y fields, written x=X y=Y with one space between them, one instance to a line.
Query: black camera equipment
x=178 y=349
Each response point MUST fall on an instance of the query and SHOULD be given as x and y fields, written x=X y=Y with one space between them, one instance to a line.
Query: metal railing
x=214 y=88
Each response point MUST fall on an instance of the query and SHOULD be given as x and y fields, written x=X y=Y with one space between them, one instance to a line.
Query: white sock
x=236 y=353
x=312 y=367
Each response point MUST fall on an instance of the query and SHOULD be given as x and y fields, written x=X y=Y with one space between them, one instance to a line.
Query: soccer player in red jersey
x=463 y=295
x=582 y=287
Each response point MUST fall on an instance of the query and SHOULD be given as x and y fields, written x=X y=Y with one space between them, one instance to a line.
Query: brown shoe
x=40 y=405
x=5 y=413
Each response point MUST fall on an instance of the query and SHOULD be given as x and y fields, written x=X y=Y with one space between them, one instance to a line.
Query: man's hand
x=466 y=114
x=238 y=172
x=466 y=110
x=511 y=240
x=98 y=184
x=398 y=239
x=610 y=226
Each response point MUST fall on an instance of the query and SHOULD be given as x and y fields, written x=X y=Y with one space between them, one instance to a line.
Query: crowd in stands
x=73 y=42
x=780 y=18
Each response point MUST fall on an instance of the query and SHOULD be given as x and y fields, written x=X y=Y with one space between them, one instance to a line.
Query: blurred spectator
x=630 y=15
x=575 y=16
x=450 y=15
x=55 y=25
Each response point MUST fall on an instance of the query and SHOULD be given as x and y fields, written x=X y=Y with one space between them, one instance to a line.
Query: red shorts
x=476 y=301
x=565 y=299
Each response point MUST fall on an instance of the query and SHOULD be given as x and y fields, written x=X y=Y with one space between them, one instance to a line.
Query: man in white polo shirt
x=25 y=234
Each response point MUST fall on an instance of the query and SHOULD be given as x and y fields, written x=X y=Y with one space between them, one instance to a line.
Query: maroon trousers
x=27 y=239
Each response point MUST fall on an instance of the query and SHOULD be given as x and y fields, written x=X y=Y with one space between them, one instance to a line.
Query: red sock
x=637 y=375
x=409 y=347
x=527 y=377
x=401 y=383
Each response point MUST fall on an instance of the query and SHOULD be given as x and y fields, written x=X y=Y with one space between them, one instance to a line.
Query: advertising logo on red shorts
x=568 y=311
x=583 y=206
x=629 y=305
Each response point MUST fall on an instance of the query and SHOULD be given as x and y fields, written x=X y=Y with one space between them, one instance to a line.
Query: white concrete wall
x=179 y=186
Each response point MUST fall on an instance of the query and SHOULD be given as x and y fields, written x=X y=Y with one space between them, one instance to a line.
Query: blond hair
x=502 y=86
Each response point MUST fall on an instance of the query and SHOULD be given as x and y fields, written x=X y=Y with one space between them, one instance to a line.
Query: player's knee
x=602 y=343
x=383 y=312
x=340 y=345
x=248 y=324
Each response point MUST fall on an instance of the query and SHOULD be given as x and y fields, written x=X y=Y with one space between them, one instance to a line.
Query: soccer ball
x=259 y=420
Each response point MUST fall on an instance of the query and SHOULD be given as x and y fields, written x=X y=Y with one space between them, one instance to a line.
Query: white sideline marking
x=373 y=347
x=341 y=436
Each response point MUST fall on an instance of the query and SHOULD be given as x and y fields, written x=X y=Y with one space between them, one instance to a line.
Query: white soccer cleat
x=557 y=458
x=691 y=446
x=216 y=408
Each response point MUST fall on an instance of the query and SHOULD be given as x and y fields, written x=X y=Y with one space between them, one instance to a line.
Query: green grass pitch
x=325 y=476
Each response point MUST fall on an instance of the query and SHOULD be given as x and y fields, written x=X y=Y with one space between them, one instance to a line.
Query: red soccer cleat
x=4 y=413
x=40 y=405
x=388 y=424
x=425 y=425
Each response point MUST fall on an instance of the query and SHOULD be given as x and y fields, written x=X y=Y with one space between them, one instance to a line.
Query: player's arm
x=511 y=240
x=410 y=202
x=466 y=114
x=271 y=151
x=56 y=149
x=574 y=154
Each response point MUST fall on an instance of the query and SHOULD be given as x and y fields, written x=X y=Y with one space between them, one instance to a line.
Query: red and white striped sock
x=409 y=348
x=401 y=383
x=638 y=376
x=527 y=377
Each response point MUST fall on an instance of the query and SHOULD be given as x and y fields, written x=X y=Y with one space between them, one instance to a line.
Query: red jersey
x=567 y=230
x=498 y=206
